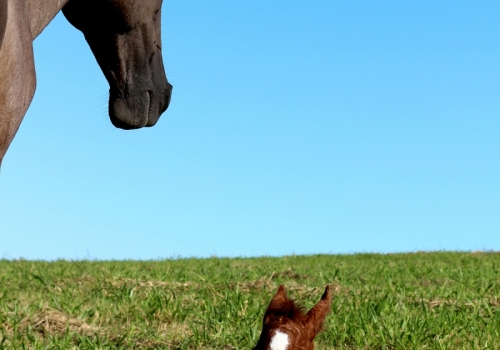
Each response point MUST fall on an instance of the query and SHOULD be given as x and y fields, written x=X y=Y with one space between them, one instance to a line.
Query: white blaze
x=279 y=341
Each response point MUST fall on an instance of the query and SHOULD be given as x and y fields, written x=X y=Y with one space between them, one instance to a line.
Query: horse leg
x=17 y=70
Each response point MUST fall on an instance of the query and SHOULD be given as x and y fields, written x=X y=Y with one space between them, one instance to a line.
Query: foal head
x=287 y=327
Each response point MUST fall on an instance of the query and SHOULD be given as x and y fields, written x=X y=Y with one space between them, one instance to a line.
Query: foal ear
x=277 y=302
x=316 y=316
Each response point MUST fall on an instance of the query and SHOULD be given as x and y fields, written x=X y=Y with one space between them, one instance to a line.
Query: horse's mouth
x=131 y=112
x=137 y=110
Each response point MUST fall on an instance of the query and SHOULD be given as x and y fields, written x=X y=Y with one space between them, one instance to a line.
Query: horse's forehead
x=279 y=341
x=287 y=336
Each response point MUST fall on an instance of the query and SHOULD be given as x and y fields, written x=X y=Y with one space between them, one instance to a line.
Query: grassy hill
x=400 y=301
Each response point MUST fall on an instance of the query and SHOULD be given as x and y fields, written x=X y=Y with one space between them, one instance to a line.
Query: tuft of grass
x=439 y=300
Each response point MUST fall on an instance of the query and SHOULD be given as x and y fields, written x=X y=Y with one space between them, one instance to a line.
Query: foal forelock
x=287 y=308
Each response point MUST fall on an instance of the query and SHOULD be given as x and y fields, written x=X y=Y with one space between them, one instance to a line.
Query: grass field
x=401 y=301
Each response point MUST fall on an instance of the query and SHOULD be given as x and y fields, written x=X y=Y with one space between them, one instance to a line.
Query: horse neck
x=41 y=12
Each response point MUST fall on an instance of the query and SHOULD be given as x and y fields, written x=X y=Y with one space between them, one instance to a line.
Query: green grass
x=401 y=301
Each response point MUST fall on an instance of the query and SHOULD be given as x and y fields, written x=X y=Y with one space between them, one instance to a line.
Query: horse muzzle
x=138 y=109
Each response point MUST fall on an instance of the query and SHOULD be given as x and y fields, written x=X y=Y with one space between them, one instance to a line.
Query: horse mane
x=3 y=19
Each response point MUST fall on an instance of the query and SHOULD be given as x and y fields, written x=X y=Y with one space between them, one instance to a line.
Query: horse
x=287 y=327
x=125 y=38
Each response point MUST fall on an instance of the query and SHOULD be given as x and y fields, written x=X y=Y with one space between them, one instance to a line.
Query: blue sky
x=294 y=128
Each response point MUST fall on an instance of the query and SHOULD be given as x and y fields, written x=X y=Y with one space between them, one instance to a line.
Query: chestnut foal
x=287 y=327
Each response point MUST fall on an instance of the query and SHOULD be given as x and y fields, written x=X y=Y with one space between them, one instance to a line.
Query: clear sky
x=294 y=128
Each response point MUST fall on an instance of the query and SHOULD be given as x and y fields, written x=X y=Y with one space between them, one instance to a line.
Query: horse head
x=287 y=327
x=125 y=38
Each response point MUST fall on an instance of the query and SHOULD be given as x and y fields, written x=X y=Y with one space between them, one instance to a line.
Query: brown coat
x=296 y=328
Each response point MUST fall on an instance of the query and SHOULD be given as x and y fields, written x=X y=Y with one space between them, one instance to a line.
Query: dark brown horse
x=124 y=36
x=287 y=327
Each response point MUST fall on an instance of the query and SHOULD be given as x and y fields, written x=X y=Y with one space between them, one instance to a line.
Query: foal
x=287 y=327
